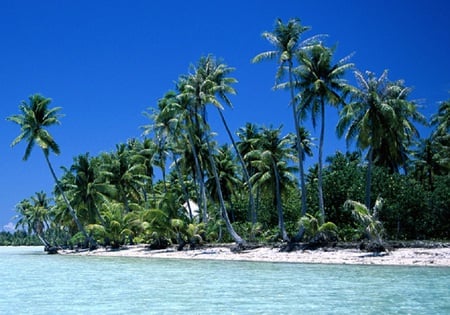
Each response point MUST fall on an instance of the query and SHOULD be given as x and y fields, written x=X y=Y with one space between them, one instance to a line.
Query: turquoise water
x=36 y=283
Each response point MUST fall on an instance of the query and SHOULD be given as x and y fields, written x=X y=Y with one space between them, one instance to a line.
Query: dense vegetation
x=395 y=185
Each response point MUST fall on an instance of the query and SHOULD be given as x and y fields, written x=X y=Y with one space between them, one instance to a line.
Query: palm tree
x=218 y=73
x=128 y=175
x=392 y=152
x=442 y=120
x=201 y=89
x=273 y=173
x=167 y=128
x=189 y=129
x=320 y=82
x=34 y=215
x=377 y=116
x=35 y=117
x=364 y=117
x=90 y=187
x=286 y=39
x=148 y=154
x=368 y=220
x=306 y=141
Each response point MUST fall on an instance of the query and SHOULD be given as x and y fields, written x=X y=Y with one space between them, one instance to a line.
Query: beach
x=438 y=256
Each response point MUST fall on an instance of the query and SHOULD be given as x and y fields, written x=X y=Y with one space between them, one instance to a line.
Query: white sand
x=402 y=256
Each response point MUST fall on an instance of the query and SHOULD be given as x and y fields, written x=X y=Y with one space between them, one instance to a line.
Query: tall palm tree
x=194 y=156
x=320 y=82
x=392 y=152
x=271 y=160
x=35 y=117
x=365 y=115
x=167 y=128
x=218 y=73
x=286 y=40
x=201 y=89
x=374 y=117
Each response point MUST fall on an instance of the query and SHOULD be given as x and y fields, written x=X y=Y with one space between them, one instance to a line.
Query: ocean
x=36 y=283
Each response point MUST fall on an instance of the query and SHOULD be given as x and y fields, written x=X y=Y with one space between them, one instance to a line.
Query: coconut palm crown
x=35 y=117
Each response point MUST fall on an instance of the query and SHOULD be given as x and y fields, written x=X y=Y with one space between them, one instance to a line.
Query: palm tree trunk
x=320 y=179
x=299 y=143
x=41 y=238
x=300 y=154
x=71 y=210
x=369 y=177
x=201 y=182
x=244 y=169
x=278 y=202
x=230 y=228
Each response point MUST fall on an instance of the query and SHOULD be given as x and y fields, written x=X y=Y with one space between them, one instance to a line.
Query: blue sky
x=105 y=62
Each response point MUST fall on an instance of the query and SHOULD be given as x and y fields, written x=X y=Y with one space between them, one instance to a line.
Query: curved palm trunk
x=278 y=203
x=71 y=210
x=320 y=179
x=244 y=169
x=230 y=228
x=41 y=238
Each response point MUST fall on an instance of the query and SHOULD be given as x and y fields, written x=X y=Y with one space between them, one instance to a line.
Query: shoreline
x=414 y=256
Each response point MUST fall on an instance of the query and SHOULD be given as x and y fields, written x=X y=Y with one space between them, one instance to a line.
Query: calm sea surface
x=36 y=283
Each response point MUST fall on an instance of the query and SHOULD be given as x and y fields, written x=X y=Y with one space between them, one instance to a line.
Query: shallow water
x=36 y=283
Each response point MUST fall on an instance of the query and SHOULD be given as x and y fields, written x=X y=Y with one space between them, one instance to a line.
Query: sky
x=105 y=62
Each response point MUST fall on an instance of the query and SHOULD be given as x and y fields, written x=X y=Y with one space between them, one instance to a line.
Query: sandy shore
x=397 y=257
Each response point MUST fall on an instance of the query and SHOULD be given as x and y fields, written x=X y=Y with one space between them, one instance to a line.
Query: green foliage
x=368 y=220
x=439 y=213
x=18 y=238
x=343 y=180
x=328 y=227
x=78 y=240
x=192 y=233
x=115 y=231
x=311 y=225
x=249 y=231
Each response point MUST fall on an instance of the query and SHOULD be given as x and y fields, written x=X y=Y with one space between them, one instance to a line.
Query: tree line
x=254 y=188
